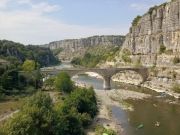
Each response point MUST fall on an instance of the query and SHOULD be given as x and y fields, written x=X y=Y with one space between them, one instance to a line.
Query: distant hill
x=68 y=49
x=12 y=51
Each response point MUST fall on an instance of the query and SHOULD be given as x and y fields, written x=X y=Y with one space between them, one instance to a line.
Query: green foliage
x=50 y=81
x=83 y=100
x=68 y=123
x=95 y=55
x=63 y=82
x=18 y=53
x=35 y=118
x=126 y=56
x=9 y=80
x=162 y=49
x=38 y=116
x=176 y=60
x=176 y=88
x=136 y=20
x=29 y=65
x=100 y=130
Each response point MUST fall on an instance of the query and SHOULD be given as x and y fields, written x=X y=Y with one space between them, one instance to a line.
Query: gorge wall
x=154 y=38
x=154 y=41
x=77 y=47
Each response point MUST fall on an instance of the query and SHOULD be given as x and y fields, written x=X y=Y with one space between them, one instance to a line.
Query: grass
x=9 y=105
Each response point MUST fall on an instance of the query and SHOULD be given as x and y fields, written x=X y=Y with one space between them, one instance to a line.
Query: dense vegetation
x=16 y=52
x=63 y=82
x=40 y=116
x=19 y=79
x=95 y=55
x=19 y=67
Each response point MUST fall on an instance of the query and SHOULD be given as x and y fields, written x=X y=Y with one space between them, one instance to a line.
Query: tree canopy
x=63 y=82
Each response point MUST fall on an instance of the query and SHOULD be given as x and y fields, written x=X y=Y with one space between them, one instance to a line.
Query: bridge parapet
x=106 y=73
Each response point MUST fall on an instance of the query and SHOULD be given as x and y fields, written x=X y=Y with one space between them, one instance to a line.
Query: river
x=157 y=115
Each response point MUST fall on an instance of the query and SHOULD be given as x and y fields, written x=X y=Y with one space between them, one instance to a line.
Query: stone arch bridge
x=106 y=73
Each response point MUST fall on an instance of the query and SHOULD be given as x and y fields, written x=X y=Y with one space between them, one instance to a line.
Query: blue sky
x=43 y=21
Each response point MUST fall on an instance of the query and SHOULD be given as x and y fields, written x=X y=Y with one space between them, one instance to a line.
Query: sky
x=44 y=21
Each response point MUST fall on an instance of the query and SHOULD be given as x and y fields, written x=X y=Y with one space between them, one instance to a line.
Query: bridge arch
x=106 y=73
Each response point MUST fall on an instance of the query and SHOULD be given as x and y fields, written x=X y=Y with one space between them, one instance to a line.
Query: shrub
x=29 y=65
x=162 y=49
x=176 y=88
x=63 y=82
x=99 y=130
x=176 y=60
x=35 y=118
x=68 y=123
x=126 y=56
x=136 y=20
x=83 y=100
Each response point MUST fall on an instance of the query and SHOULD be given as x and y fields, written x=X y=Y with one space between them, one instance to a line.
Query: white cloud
x=3 y=3
x=139 y=6
x=32 y=26
x=45 y=7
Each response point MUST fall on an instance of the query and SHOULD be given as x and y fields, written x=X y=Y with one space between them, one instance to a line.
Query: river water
x=160 y=109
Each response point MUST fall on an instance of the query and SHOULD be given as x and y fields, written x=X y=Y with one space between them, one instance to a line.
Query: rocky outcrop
x=154 y=41
x=156 y=32
x=77 y=47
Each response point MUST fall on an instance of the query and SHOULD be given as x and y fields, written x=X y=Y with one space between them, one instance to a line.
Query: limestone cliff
x=154 y=41
x=77 y=47
x=154 y=38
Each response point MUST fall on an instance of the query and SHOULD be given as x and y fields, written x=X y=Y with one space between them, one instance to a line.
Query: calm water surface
x=147 y=112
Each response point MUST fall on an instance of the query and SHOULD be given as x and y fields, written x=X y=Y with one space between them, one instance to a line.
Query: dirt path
x=8 y=115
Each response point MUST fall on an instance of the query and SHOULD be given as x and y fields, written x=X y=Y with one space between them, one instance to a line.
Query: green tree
x=68 y=122
x=9 y=79
x=35 y=118
x=63 y=82
x=29 y=65
x=83 y=100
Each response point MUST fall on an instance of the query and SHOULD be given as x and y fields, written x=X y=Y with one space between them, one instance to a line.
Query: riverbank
x=149 y=86
x=107 y=99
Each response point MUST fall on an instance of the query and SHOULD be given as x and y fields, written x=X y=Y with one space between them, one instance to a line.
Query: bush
x=29 y=65
x=49 y=82
x=136 y=20
x=162 y=49
x=63 y=82
x=176 y=60
x=83 y=100
x=35 y=118
x=68 y=123
x=126 y=56
x=99 y=130
x=176 y=88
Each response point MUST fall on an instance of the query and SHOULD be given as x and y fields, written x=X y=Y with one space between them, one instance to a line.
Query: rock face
x=77 y=47
x=154 y=41
x=159 y=27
